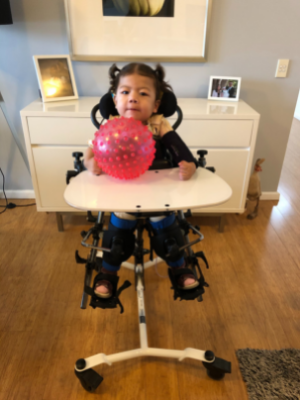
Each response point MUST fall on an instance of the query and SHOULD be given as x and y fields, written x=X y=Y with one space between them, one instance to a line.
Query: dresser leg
x=60 y=222
x=222 y=223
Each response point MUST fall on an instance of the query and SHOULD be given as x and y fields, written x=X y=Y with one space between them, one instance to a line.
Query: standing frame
x=157 y=30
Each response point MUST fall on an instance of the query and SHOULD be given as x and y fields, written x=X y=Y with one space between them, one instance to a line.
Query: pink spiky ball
x=124 y=148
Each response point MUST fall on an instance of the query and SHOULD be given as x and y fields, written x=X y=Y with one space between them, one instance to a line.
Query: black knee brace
x=167 y=242
x=110 y=302
x=120 y=241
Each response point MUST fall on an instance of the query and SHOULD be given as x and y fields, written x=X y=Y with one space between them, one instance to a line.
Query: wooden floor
x=253 y=301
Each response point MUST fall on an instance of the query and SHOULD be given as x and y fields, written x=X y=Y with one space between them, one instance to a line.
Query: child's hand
x=186 y=170
x=92 y=166
x=90 y=162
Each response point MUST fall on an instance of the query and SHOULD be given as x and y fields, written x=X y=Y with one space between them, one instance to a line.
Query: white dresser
x=53 y=131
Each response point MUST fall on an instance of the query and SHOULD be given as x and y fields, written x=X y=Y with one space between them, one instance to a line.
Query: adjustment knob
x=80 y=364
x=202 y=153
x=77 y=155
x=209 y=355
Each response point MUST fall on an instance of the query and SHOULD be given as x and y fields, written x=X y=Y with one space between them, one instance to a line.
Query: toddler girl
x=137 y=90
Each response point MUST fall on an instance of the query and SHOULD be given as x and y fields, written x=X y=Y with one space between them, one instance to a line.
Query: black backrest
x=106 y=107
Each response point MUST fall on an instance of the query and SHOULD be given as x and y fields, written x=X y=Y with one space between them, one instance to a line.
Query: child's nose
x=133 y=97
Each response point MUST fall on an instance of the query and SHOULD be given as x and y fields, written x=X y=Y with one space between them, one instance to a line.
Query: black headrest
x=167 y=106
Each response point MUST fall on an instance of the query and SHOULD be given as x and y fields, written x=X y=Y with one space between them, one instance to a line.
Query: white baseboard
x=270 y=196
x=18 y=194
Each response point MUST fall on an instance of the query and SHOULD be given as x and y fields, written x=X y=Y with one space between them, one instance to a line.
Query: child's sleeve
x=178 y=149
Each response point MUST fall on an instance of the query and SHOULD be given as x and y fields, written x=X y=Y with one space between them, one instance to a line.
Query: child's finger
x=96 y=169
x=183 y=170
x=183 y=177
x=182 y=164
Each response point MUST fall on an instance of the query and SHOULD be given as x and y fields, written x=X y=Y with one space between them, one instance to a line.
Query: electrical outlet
x=282 y=67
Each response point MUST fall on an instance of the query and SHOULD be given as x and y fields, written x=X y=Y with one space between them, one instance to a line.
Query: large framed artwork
x=139 y=30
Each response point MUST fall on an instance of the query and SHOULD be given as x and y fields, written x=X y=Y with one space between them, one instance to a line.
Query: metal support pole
x=91 y=261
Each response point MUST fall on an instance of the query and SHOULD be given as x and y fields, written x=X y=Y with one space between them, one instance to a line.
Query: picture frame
x=224 y=88
x=98 y=31
x=55 y=77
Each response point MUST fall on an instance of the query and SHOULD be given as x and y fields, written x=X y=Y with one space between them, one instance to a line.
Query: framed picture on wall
x=139 y=30
x=224 y=88
x=55 y=77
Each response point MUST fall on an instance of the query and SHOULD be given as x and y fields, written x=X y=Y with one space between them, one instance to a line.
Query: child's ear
x=156 y=106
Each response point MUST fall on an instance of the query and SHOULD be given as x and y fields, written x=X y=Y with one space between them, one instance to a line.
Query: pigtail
x=159 y=72
x=160 y=76
x=114 y=77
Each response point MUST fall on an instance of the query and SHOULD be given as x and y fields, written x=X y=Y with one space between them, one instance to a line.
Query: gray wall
x=246 y=37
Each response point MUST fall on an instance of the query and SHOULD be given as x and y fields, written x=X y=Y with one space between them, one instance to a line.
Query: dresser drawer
x=216 y=133
x=231 y=165
x=72 y=131
x=51 y=165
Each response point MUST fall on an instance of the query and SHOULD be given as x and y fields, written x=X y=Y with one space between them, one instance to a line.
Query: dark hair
x=157 y=75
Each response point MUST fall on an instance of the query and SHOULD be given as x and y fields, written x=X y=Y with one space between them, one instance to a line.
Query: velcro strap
x=88 y=290
x=125 y=285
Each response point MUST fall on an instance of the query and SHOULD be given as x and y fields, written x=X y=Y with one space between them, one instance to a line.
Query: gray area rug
x=271 y=374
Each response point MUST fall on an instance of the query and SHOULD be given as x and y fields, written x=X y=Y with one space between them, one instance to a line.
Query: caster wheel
x=89 y=379
x=86 y=386
x=218 y=368
x=215 y=375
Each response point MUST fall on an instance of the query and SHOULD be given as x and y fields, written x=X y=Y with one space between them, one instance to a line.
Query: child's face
x=135 y=97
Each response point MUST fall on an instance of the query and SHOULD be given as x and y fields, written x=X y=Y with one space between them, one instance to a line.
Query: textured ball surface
x=124 y=148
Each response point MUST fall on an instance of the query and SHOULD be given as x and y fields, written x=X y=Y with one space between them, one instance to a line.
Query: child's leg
x=167 y=232
x=119 y=235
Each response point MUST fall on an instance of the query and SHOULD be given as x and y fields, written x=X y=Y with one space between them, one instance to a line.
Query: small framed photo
x=55 y=77
x=224 y=88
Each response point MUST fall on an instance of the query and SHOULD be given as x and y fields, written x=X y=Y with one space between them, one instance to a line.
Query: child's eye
x=144 y=94
x=124 y=92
